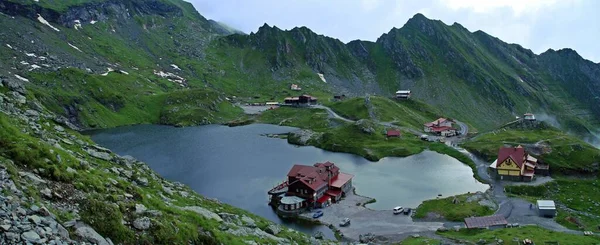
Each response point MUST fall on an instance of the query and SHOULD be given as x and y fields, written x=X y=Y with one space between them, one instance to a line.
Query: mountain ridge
x=500 y=65
x=443 y=64
x=73 y=65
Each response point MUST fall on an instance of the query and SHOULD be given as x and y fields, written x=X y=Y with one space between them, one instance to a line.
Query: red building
x=393 y=133
x=312 y=186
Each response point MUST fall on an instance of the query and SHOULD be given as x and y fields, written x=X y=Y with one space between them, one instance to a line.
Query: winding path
x=515 y=210
x=333 y=114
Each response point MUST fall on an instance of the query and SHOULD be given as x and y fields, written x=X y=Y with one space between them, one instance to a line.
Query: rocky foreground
x=58 y=187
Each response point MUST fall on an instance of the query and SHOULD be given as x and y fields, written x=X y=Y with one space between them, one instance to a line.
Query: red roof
x=323 y=199
x=393 y=132
x=517 y=154
x=440 y=129
x=314 y=177
x=436 y=122
x=334 y=193
x=440 y=120
x=341 y=179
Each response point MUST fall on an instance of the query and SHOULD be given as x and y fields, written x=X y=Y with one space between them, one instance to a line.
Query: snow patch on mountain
x=322 y=77
x=45 y=22
x=73 y=46
x=21 y=78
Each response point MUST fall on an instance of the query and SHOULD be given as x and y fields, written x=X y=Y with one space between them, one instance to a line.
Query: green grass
x=106 y=219
x=117 y=100
x=353 y=108
x=339 y=136
x=567 y=154
x=58 y=5
x=537 y=234
x=314 y=119
x=419 y=241
x=453 y=212
x=104 y=206
x=350 y=138
x=577 y=194
x=197 y=106
x=405 y=113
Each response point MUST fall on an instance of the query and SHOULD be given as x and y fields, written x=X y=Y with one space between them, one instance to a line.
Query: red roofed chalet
x=441 y=126
x=318 y=185
x=514 y=163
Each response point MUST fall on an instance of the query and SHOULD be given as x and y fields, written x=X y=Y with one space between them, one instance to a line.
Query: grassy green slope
x=104 y=206
x=537 y=234
x=578 y=195
x=140 y=46
x=406 y=113
x=565 y=153
x=473 y=77
x=339 y=136
x=451 y=211
x=57 y=5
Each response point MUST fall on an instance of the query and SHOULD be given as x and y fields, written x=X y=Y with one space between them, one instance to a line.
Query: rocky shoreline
x=58 y=187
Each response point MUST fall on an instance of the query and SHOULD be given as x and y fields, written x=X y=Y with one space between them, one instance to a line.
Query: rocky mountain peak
x=91 y=12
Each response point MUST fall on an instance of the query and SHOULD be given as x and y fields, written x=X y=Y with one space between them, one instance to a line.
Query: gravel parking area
x=383 y=224
x=249 y=109
x=538 y=180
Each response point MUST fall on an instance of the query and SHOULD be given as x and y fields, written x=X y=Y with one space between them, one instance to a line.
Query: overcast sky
x=535 y=24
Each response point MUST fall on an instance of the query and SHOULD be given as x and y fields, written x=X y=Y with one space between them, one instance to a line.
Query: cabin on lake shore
x=515 y=164
x=310 y=187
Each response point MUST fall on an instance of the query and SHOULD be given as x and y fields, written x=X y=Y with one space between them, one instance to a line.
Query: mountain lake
x=238 y=165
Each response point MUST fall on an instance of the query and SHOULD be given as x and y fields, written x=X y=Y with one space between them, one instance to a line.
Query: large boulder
x=140 y=208
x=30 y=236
x=14 y=85
x=19 y=98
x=229 y=218
x=366 y=126
x=99 y=154
x=88 y=234
x=249 y=222
x=204 y=212
x=142 y=223
x=273 y=229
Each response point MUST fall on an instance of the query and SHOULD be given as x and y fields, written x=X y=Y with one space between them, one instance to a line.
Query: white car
x=398 y=210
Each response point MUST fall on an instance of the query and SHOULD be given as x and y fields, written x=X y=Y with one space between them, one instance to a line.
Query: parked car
x=318 y=214
x=398 y=210
x=407 y=211
x=345 y=222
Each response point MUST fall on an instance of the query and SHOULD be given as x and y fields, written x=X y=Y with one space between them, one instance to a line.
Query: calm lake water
x=238 y=166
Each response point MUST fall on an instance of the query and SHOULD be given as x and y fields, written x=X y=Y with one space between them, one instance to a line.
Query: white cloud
x=519 y=7
x=369 y=5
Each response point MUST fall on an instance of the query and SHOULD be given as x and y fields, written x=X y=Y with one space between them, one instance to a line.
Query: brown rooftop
x=486 y=221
